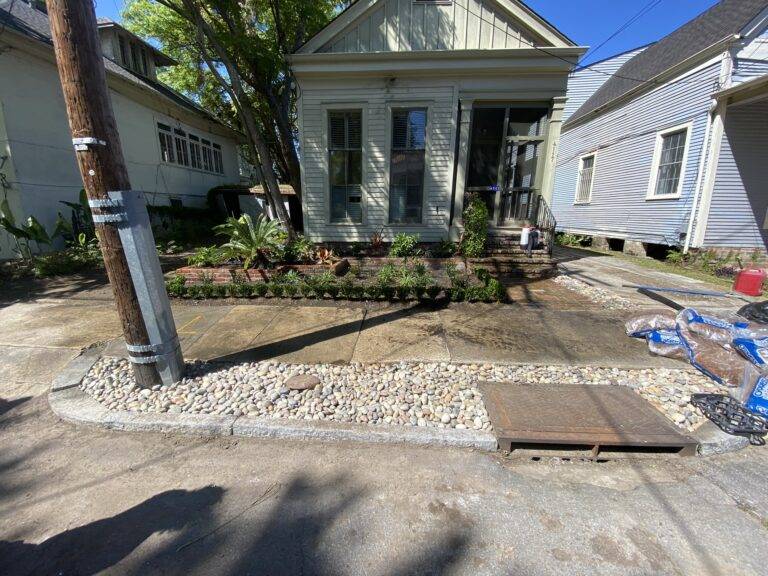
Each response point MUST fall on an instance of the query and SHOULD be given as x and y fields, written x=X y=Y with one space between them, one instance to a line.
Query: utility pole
x=113 y=204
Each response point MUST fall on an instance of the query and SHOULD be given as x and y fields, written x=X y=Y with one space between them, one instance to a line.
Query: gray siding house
x=407 y=106
x=175 y=151
x=670 y=146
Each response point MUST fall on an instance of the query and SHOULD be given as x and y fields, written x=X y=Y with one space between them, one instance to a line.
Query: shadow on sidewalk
x=297 y=528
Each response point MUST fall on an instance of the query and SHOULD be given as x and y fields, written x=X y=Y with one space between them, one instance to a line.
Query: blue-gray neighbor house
x=668 y=144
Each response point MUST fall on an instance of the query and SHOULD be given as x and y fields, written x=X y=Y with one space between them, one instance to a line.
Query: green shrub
x=277 y=289
x=386 y=292
x=475 y=229
x=176 y=286
x=259 y=242
x=443 y=249
x=433 y=291
x=386 y=274
x=404 y=245
x=259 y=289
x=238 y=290
x=206 y=256
x=573 y=240
x=300 y=250
x=402 y=292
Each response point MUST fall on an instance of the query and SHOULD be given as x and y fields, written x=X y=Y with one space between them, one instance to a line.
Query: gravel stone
x=441 y=395
x=598 y=295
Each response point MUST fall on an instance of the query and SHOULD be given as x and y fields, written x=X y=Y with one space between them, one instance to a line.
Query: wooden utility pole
x=99 y=154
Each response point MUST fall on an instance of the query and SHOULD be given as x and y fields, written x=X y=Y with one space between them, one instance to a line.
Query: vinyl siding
x=625 y=139
x=752 y=60
x=584 y=83
x=739 y=202
x=405 y=25
x=376 y=102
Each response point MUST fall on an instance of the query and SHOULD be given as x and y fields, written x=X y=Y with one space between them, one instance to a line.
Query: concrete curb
x=73 y=405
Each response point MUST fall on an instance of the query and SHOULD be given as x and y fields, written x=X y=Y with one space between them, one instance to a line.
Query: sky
x=587 y=22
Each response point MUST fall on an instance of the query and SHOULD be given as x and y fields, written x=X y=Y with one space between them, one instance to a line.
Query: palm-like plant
x=252 y=241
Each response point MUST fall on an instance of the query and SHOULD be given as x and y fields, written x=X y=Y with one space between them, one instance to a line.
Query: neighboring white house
x=407 y=106
x=670 y=146
x=174 y=150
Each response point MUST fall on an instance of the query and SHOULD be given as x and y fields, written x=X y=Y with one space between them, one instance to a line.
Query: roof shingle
x=724 y=19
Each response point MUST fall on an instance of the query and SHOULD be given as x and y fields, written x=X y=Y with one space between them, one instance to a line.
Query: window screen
x=670 y=163
x=345 y=165
x=406 y=187
x=166 y=143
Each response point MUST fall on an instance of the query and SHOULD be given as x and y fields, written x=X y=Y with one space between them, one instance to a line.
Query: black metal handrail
x=518 y=204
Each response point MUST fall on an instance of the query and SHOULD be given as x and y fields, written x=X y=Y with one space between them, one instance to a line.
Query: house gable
x=415 y=25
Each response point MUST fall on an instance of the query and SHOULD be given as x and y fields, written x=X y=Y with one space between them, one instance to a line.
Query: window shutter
x=337 y=136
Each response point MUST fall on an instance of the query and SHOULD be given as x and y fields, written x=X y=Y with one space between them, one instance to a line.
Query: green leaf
x=37 y=231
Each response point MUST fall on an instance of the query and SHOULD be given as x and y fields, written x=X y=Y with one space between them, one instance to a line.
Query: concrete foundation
x=634 y=248
x=600 y=243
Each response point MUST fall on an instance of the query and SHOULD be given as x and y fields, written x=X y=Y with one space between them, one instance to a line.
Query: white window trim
x=173 y=125
x=576 y=200
x=341 y=107
x=392 y=106
x=651 y=194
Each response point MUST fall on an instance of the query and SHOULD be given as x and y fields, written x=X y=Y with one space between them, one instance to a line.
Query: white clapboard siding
x=585 y=82
x=406 y=25
x=376 y=103
x=737 y=215
x=625 y=137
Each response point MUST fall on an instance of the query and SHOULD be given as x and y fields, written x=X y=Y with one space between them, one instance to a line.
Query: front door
x=506 y=146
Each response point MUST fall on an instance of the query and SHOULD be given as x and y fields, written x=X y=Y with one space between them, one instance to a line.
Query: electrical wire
x=643 y=11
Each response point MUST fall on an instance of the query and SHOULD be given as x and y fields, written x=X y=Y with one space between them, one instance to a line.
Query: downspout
x=699 y=176
x=726 y=73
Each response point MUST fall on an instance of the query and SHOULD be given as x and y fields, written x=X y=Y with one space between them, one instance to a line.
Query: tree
x=233 y=59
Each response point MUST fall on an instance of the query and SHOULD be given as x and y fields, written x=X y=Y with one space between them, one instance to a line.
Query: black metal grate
x=731 y=417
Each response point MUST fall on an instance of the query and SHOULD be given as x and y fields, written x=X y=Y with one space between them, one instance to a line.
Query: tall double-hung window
x=585 y=179
x=669 y=159
x=406 y=171
x=345 y=165
x=166 y=142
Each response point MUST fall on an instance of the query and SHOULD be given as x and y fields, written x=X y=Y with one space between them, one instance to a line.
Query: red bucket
x=750 y=281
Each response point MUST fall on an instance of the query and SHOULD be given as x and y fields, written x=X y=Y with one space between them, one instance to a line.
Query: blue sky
x=588 y=22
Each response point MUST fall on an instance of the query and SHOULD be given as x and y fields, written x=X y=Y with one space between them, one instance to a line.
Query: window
x=166 y=142
x=176 y=203
x=669 y=159
x=124 y=52
x=345 y=165
x=585 y=179
x=182 y=156
x=195 y=155
x=178 y=147
x=406 y=172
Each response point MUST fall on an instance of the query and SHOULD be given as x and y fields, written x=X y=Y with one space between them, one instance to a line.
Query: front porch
x=505 y=157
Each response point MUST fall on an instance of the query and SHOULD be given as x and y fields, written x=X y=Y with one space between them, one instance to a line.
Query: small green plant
x=252 y=242
x=404 y=245
x=277 y=288
x=300 y=250
x=433 y=291
x=386 y=274
x=176 y=286
x=238 y=290
x=323 y=283
x=676 y=258
x=259 y=289
x=443 y=249
x=475 y=237
x=572 y=240
x=206 y=256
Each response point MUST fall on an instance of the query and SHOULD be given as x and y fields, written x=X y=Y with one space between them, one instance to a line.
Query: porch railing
x=519 y=204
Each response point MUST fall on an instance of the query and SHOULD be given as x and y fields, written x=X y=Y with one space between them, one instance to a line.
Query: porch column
x=713 y=161
x=553 y=141
x=462 y=164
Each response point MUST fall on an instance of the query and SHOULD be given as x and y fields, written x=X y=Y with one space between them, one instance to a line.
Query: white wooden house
x=407 y=106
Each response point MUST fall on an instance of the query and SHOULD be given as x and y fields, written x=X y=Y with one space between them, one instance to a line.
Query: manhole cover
x=599 y=419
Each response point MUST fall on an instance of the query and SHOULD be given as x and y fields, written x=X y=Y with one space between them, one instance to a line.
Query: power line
x=643 y=11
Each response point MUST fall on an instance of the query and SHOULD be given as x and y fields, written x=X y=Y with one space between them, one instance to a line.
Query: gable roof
x=32 y=23
x=710 y=28
x=516 y=9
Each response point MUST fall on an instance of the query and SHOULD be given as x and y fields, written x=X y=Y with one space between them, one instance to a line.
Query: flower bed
x=362 y=279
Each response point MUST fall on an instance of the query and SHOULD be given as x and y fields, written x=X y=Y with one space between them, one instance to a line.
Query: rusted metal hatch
x=606 y=421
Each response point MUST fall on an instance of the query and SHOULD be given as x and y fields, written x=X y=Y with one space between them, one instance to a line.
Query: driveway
x=76 y=500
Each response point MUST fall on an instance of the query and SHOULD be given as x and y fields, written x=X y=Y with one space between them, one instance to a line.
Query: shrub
x=206 y=256
x=259 y=289
x=252 y=242
x=238 y=290
x=443 y=249
x=402 y=292
x=433 y=291
x=475 y=229
x=404 y=245
x=676 y=258
x=299 y=250
x=386 y=274
x=574 y=240
x=277 y=289
x=176 y=286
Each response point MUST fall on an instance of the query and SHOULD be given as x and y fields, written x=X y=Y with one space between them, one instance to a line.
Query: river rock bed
x=598 y=295
x=441 y=395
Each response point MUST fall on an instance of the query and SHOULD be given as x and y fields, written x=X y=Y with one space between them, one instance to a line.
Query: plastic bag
x=666 y=343
x=723 y=364
x=717 y=328
x=753 y=391
x=641 y=326
x=756 y=351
